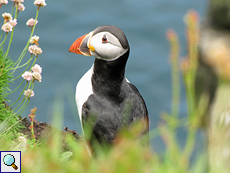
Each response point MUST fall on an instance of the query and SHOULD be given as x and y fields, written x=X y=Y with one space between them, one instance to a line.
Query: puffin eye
x=104 y=39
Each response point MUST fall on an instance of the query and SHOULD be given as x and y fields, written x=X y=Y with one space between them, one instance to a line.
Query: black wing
x=145 y=114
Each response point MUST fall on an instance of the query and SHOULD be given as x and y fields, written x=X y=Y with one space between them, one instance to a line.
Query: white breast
x=83 y=91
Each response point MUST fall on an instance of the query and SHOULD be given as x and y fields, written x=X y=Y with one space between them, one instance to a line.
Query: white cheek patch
x=108 y=51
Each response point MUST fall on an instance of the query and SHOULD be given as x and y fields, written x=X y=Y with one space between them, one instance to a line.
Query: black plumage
x=107 y=102
x=115 y=103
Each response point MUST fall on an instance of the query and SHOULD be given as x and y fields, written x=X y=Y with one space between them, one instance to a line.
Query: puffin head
x=105 y=42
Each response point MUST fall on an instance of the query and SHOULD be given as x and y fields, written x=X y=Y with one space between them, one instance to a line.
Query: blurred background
x=145 y=24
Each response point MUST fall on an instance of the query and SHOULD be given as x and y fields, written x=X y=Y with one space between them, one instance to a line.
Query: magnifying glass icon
x=9 y=160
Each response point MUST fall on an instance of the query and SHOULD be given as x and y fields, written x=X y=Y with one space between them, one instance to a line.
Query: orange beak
x=80 y=46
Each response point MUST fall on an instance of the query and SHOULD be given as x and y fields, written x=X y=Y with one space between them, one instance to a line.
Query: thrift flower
x=37 y=68
x=40 y=3
x=31 y=22
x=37 y=76
x=7 y=17
x=34 y=40
x=27 y=75
x=21 y=7
x=3 y=2
x=7 y=27
x=34 y=49
x=29 y=93
x=13 y=22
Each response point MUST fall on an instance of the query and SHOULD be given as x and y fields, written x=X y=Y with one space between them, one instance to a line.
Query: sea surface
x=145 y=23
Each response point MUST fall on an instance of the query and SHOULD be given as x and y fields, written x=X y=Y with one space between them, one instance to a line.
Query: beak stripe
x=80 y=46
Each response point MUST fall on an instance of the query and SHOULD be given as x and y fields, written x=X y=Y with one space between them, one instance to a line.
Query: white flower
x=4 y=2
x=34 y=49
x=7 y=16
x=17 y=1
x=29 y=93
x=31 y=22
x=37 y=76
x=40 y=3
x=27 y=75
x=34 y=40
x=13 y=22
x=7 y=27
x=37 y=68
x=21 y=7
x=22 y=141
x=225 y=119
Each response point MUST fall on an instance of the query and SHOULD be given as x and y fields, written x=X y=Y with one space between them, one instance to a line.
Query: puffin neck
x=108 y=76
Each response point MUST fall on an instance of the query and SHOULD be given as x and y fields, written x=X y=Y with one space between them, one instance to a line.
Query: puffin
x=106 y=101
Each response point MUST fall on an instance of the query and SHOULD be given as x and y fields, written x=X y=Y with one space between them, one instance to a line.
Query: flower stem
x=2 y=43
x=27 y=100
x=193 y=38
x=14 y=89
x=25 y=63
x=12 y=33
x=1 y=35
x=18 y=105
x=24 y=106
x=23 y=98
x=32 y=132
x=20 y=95
x=17 y=63
x=12 y=10
x=34 y=62
x=174 y=57
x=24 y=69
x=190 y=142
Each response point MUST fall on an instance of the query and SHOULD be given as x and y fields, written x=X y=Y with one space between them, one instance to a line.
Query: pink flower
x=40 y=3
x=34 y=40
x=3 y=2
x=29 y=93
x=37 y=76
x=21 y=7
x=27 y=75
x=34 y=49
x=13 y=22
x=7 y=16
x=7 y=27
x=31 y=22
x=37 y=68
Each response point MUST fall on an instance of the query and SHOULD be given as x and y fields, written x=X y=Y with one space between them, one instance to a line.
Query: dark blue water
x=144 y=22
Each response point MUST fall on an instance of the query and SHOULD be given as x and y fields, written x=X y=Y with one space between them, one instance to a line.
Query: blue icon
x=9 y=160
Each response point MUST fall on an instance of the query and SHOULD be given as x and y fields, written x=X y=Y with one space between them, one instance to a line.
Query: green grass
x=10 y=110
x=7 y=117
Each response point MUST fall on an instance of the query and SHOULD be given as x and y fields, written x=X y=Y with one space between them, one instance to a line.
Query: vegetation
x=49 y=155
x=9 y=114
